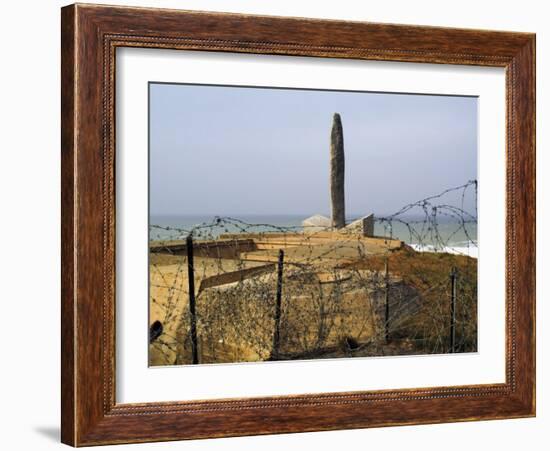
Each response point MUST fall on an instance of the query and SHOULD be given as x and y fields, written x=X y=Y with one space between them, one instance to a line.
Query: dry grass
x=429 y=274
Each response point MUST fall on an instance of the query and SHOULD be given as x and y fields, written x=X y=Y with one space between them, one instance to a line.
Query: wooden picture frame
x=90 y=36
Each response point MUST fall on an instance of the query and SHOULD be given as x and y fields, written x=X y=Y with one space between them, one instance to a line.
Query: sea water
x=423 y=234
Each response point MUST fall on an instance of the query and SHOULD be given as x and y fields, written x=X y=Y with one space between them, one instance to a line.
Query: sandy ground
x=333 y=294
x=169 y=297
x=239 y=316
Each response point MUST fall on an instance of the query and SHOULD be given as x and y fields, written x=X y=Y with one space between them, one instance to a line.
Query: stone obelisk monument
x=337 y=169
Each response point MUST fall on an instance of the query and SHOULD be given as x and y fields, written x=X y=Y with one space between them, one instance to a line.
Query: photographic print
x=284 y=211
x=297 y=224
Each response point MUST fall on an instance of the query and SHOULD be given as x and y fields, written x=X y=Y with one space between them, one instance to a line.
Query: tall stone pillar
x=337 y=169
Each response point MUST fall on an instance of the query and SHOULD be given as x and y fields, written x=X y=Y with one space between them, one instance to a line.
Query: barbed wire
x=336 y=291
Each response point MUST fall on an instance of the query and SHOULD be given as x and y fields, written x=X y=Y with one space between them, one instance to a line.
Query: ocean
x=443 y=234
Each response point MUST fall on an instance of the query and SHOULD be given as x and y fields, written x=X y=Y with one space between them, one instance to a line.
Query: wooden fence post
x=387 y=300
x=278 y=296
x=192 y=312
x=452 y=334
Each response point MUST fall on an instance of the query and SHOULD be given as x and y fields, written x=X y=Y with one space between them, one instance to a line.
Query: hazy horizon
x=230 y=151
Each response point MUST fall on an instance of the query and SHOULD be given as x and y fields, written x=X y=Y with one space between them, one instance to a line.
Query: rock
x=316 y=223
x=337 y=172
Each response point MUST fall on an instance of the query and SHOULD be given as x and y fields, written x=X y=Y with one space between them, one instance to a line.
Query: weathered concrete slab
x=363 y=226
x=235 y=276
x=302 y=239
x=334 y=252
x=222 y=248
x=316 y=223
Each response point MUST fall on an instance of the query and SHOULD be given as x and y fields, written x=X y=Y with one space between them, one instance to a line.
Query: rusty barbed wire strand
x=332 y=304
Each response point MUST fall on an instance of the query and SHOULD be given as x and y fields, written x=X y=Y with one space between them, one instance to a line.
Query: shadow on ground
x=50 y=432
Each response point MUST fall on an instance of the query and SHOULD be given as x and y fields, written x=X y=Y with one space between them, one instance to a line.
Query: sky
x=230 y=151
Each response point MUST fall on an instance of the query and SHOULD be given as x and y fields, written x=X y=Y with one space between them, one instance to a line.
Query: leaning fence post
x=278 y=295
x=452 y=334
x=387 y=300
x=192 y=313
